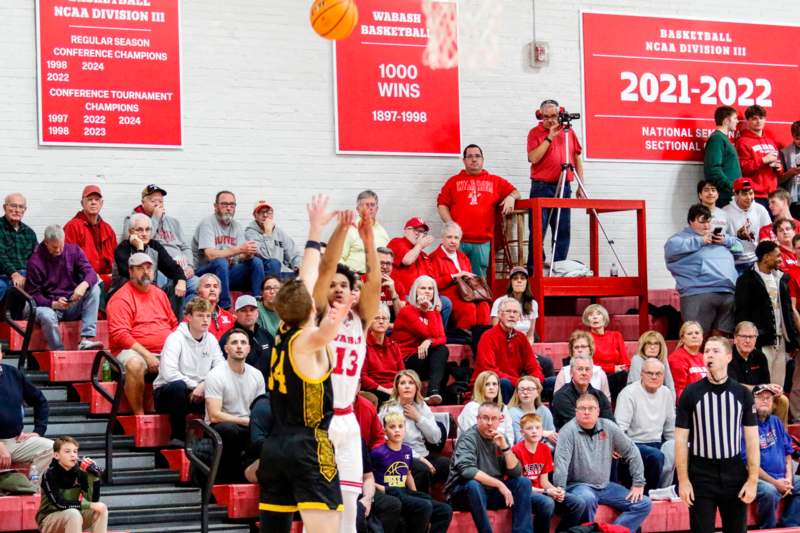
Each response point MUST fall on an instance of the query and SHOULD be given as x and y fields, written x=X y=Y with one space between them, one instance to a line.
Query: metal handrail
x=210 y=471
x=12 y=294
x=114 y=400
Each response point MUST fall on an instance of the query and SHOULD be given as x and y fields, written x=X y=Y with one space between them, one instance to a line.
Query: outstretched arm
x=328 y=328
x=371 y=291
x=318 y=218
x=333 y=253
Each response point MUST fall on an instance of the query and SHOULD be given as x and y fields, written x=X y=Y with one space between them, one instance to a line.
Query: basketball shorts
x=345 y=435
x=298 y=471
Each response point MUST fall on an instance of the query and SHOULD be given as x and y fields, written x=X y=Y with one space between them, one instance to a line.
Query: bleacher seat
x=148 y=431
x=67 y=365
x=18 y=513
x=241 y=500
x=178 y=461
x=99 y=405
x=70 y=335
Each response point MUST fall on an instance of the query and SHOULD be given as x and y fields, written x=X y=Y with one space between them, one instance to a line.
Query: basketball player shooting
x=335 y=286
x=297 y=470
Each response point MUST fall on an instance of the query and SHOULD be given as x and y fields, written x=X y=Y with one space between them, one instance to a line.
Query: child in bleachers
x=70 y=493
x=391 y=463
x=537 y=461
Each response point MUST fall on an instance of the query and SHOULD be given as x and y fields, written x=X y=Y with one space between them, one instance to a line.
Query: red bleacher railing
x=543 y=286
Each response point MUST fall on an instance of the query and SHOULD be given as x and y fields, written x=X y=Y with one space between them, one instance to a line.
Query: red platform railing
x=595 y=285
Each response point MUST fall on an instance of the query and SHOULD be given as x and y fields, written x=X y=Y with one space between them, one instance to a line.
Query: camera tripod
x=566 y=166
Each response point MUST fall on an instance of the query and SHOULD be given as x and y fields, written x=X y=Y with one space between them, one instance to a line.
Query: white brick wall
x=258 y=120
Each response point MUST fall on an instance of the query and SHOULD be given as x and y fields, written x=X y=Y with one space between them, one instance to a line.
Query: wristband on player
x=315 y=245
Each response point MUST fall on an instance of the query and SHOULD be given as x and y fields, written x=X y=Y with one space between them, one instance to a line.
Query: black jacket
x=164 y=262
x=565 y=399
x=752 y=303
x=15 y=389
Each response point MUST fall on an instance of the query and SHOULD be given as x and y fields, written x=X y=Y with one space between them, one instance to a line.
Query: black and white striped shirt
x=715 y=416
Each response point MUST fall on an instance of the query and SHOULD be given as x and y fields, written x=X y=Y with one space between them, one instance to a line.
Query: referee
x=712 y=414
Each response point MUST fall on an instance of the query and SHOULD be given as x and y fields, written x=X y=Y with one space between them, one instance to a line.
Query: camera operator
x=546 y=154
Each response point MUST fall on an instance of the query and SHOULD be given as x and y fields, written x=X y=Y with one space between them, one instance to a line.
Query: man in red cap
x=471 y=198
x=94 y=235
x=745 y=219
x=411 y=261
x=275 y=247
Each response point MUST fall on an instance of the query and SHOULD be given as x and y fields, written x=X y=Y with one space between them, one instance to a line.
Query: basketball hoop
x=478 y=20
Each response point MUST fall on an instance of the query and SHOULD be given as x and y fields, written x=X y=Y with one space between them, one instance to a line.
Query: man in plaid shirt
x=17 y=242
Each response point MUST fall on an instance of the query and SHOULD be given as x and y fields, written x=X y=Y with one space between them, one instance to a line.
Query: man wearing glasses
x=585 y=448
x=470 y=198
x=482 y=458
x=220 y=247
x=17 y=242
x=353 y=249
x=646 y=413
x=546 y=155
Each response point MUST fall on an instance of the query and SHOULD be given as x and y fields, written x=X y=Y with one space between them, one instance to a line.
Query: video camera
x=566 y=118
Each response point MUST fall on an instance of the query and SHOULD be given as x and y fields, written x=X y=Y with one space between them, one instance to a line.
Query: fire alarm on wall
x=540 y=54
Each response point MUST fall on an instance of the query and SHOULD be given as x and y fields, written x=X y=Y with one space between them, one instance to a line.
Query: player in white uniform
x=336 y=283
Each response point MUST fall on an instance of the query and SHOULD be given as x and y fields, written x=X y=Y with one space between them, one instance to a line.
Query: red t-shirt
x=686 y=368
x=473 y=200
x=609 y=351
x=136 y=316
x=534 y=464
x=548 y=169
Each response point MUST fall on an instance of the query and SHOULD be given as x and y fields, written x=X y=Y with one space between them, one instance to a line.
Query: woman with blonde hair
x=582 y=343
x=486 y=389
x=527 y=398
x=651 y=344
x=609 y=348
x=421 y=429
x=686 y=362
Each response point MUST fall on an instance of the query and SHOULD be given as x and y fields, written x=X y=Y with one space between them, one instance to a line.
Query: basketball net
x=479 y=21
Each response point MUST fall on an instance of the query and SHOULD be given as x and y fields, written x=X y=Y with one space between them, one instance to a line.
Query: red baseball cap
x=742 y=184
x=261 y=204
x=415 y=223
x=91 y=189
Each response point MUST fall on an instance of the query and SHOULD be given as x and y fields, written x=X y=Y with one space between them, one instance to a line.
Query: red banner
x=651 y=85
x=109 y=72
x=387 y=100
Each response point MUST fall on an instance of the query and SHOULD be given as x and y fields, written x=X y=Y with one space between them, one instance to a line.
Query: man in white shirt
x=745 y=219
x=189 y=354
x=646 y=413
x=353 y=250
x=230 y=390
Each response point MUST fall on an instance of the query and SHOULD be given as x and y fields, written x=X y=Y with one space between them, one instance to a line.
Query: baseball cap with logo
x=758 y=389
x=152 y=188
x=245 y=300
x=742 y=184
x=138 y=259
x=261 y=204
x=91 y=189
x=415 y=223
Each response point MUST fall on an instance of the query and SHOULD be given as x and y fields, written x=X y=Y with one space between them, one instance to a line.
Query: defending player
x=335 y=286
x=297 y=468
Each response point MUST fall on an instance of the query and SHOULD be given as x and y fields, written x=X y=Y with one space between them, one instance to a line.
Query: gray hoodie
x=167 y=231
x=186 y=359
x=276 y=246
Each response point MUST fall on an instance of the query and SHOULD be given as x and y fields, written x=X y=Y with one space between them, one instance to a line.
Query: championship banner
x=109 y=73
x=651 y=84
x=387 y=100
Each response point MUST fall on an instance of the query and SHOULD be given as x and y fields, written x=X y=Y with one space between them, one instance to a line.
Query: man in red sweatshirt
x=94 y=235
x=758 y=154
x=506 y=351
x=139 y=320
x=470 y=198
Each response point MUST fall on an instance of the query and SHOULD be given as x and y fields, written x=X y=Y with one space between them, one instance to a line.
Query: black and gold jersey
x=297 y=400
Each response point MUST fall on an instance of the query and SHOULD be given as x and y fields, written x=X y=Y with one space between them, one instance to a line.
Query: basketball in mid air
x=333 y=19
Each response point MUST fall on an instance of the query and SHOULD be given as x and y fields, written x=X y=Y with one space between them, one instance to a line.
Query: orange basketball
x=334 y=19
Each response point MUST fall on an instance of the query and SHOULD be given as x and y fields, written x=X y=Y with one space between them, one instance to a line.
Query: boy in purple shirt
x=775 y=479
x=391 y=464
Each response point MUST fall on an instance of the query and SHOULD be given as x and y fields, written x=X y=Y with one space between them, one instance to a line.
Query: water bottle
x=614 y=271
x=106 y=373
x=33 y=475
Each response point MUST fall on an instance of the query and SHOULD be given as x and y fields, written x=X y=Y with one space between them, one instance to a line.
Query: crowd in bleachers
x=610 y=428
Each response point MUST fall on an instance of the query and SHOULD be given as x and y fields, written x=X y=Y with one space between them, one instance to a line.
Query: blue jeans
x=447 y=309
x=85 y=309
x=653 y=460
x=168 y=286
x=561 y=235
x=245 y=276
x=571 y=510
x=767 y=500
x=477 y=498
x=478 y=254
x=506 y=390
x=5 y=283
x=613 y=495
